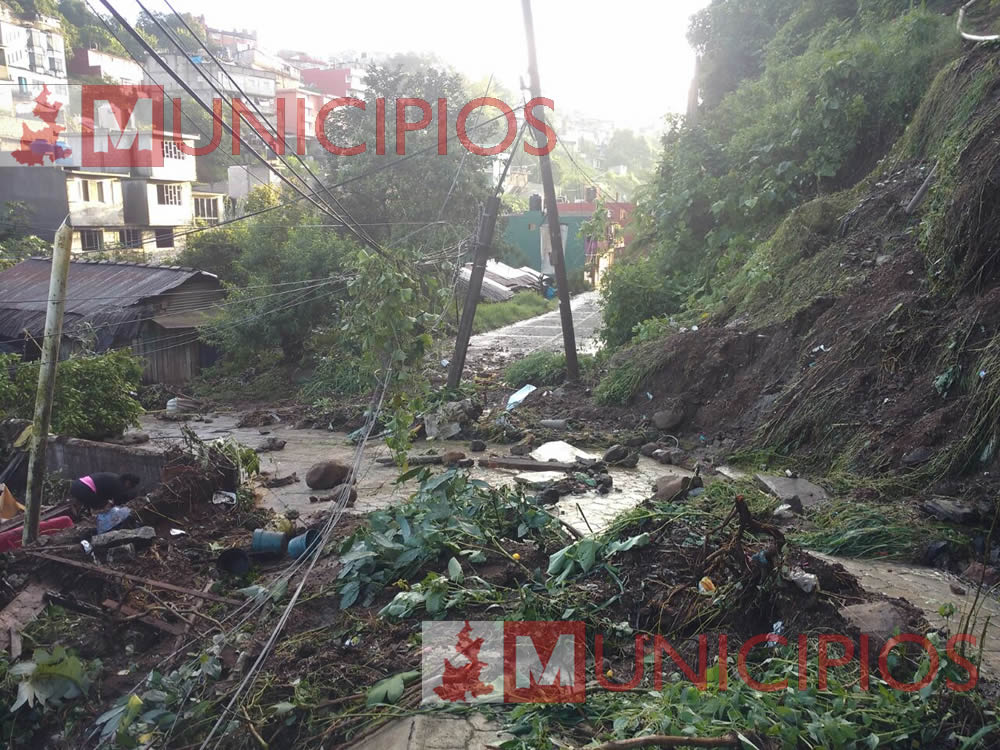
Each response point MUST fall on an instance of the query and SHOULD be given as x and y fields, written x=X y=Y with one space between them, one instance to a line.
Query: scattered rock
x=539 y=480
x=304 y=424
x=958 y=590
x=677 y=456
x=466 y=463
x=272 y=482
x=649 y=449
x=629 y=462
x=662 y=456
x=123 y=536
x=935 y=551
x=477 y=446
x=634 y=440
x=787 y=490
x=452 y=458
x=615 y=453
x=880 y=620
x=918 y=456
x=784 y=513
x=955 y=511
x=352 y=498
x=672 y=487
x=668 y=419
x=977 y=572
x=327 y=474
x=135 y=438
x=549 y=496
x=271 y=444
x=117 y=554
x=554 y=424
x=732 y=473
x=523 y=447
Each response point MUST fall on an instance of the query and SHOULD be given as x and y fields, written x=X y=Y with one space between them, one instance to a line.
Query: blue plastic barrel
x=303 y=543
x=267 y=542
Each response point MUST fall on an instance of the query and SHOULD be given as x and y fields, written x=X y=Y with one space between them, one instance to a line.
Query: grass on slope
x=524 y=305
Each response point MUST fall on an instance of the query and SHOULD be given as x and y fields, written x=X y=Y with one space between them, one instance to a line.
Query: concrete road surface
x=541 y=333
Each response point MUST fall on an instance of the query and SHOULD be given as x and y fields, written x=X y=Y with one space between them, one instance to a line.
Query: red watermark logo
x=545 y=662
x=134 y=126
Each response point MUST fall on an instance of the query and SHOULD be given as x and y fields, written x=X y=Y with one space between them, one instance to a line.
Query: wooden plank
x=166 y=627
x=529 y=464
x=412 y=460
x=138 y=579
x=21 y=610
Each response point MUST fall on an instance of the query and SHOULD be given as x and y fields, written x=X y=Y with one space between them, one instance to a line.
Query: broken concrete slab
x=955 y=511
x=787 y=489
x=539 y=480
x=561 y=451
x=436 y=732
x=732 y=473
x=124 y=536
x=880 y=620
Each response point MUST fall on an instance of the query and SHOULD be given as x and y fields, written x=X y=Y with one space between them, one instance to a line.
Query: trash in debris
x=821 y=348
x=303 y=543
x=234 y=561
x=112 y=519
x=696 y=492
x=518 y=398
x=177 y=532
x=805 y=581
x=267 y=542
x=706 y=586
x=761 y=559
x=445 y=363
x=448 y=420
x=87 y=548
x=271 y=444
x=777 y=629
x=649 y=395
x=224 y=498
x=561 y=452
x=9 y=507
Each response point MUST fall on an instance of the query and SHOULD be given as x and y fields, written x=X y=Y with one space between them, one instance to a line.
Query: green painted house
x=523 y=231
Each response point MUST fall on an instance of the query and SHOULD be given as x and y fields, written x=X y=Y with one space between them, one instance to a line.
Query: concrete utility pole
x=484 y=239
x=552 y=212
x=47 y=380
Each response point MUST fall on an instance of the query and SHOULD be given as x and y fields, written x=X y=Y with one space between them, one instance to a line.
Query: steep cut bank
x=859 y=338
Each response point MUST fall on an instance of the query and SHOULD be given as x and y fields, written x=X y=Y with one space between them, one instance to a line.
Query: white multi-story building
x=31 y=53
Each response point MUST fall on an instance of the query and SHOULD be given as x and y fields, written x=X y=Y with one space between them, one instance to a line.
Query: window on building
x=172 y=151
x=91 y=239
x=22 y=84
x=207 y=209
x=168 y=195
x=130 y=239
x=3 y=56
x=165 y=237
x=92 y=190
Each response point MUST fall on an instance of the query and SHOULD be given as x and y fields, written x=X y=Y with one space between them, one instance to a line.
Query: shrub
x=543 y=368
x=94 y=395
x=634 y=292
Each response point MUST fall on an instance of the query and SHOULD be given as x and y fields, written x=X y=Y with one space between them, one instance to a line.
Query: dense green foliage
x=93 y=397
x=825 y=98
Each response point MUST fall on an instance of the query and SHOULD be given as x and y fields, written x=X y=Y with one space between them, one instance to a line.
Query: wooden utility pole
x=47 y=380
x=551 y=210
x=484 y=239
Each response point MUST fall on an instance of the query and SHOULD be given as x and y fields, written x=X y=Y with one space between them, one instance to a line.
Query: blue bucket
x=303 y=543
x=268 y=542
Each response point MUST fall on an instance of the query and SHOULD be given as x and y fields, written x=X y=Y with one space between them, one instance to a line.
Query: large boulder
x=670 y=417
x=880 y=620
x=327 y=474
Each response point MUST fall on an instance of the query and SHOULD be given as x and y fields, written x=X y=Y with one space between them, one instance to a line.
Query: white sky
x=625 y=60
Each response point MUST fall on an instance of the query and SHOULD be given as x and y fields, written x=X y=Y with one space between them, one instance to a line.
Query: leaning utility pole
x=47 y=380
x=555 y=232
x=484 y=239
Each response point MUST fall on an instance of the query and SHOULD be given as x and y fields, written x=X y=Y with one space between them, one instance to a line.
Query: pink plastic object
x=11 y=539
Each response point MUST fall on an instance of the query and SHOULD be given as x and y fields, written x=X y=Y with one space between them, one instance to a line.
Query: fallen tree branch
x=659 y=740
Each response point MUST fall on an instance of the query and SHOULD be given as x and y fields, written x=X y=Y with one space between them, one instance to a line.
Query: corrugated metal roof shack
x=153 y=309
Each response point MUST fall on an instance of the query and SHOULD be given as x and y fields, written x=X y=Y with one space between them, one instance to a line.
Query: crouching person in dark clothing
x=97 y=491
